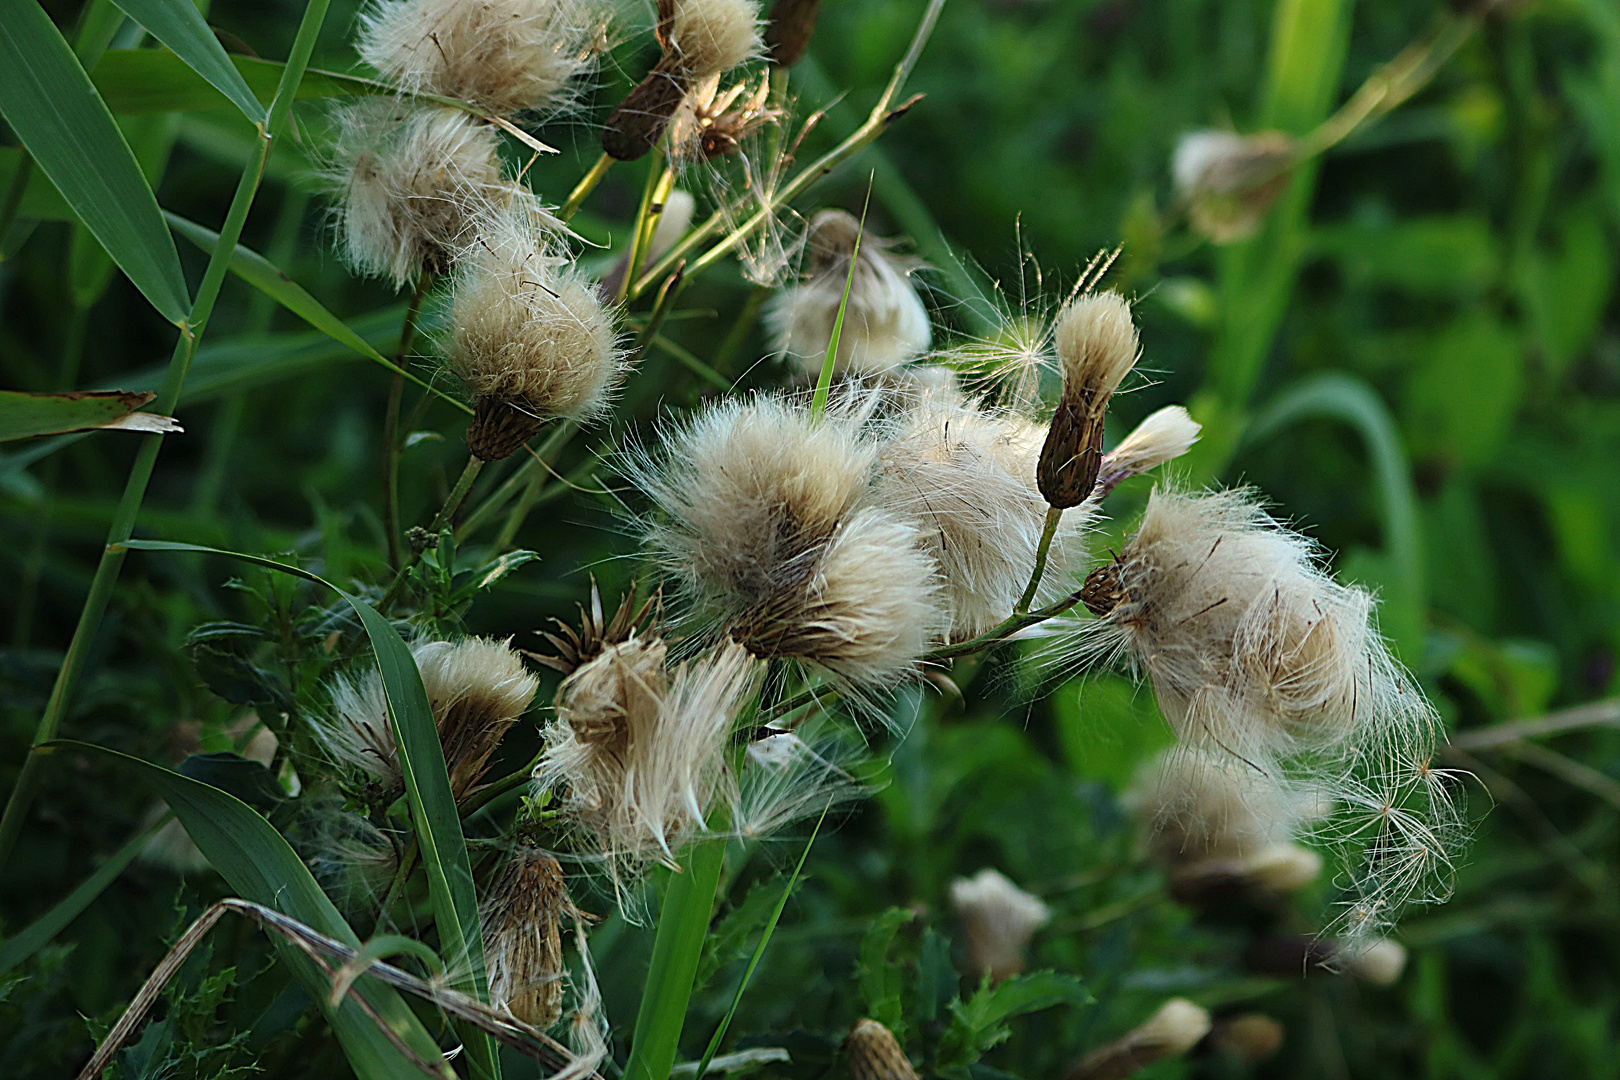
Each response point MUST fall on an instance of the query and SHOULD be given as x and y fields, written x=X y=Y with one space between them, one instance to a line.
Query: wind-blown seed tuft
x=885 y=322
x=532 y=337
x=765 y=526
x=506 y=56
x=998 y=919
x=1228 y=181
x=1096 y=347
x=409 y=181
x=712 y=36
x=1163 y=436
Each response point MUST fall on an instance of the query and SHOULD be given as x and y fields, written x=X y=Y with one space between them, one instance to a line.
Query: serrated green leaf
x=880 y=977
x=53 y=107
x=980 y=1022
x=259 y=865
x=179 y=25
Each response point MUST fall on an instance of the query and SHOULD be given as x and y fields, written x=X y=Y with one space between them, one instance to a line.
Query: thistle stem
x=653 y=196
x=391 y=447
x=524 y=475
x=457 y=496
x=140 y=474
x=586 y=185
x=1054 y=514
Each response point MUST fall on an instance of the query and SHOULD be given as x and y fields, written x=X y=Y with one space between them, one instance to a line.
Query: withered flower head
x=1229 y=181
x=712 y=123
x=575 y=648
x=522 y=927
x=1096 y=347
x=1176 y=1028
x=998 y=919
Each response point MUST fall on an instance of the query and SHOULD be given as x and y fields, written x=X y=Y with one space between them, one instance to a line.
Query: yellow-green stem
x=586 y=185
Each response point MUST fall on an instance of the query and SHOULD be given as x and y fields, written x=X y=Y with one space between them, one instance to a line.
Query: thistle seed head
x=998 y=919
x=1096 y=347
x=712 y=36
x=1163 y=436
x=505 y=56
x=885 y=322
x=522 y=928
x=1176 y=1028
x=410 y=180
x=1229 y=181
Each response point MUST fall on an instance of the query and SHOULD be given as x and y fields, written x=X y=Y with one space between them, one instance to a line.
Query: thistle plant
x=862 y=511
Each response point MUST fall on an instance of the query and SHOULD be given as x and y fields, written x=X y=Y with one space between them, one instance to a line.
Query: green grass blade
x=179 y=25
x=153 y=80
x=55 y=110
x=23 y=415
x=818 y=403
x=20 y=946
x=759 y=950
x=260 y=866
x=683 y=923
x=1342 y=397
x=427 y=789
x=269 y=279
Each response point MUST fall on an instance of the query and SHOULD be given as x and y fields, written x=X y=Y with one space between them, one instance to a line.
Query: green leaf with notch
x=24 y=415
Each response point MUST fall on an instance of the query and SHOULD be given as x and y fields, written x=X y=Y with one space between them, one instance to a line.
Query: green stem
x=683 y=925
x=1054 y=515
x=520 y=512
x=129 y=507
x=658 y=180
x=391 y=448
x=1004 y=630
x=458 y=494
x=524 y=476
x=586 y=185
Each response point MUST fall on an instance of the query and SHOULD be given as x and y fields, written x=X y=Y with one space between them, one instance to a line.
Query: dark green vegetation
x=1417 y=359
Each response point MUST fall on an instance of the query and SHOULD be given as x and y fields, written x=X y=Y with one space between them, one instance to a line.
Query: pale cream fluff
x=410 y=180
x=885 y=322
x=711 y=36
x=505 y=56
x=1228 y=181
x=998 y=919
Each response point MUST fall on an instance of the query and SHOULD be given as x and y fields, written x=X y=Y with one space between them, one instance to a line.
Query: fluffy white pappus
x=790 y=776
x=1164 y=436
x=1174 y=1029
x=998 y=919
x=528 y=329
x=712 y=36
x=966 y=476
x=885 y=322
x=636 y=753
x=1255 y=653
x=476 y=687
x=409 y=181
x=764 y=527
x=1096 y=342
x=1193 y=804
x=1229 y=180
x=506 y=56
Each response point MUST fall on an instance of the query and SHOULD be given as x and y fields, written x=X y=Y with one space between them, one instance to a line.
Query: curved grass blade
x=55 y=110
x=258 y=864
x=37 y=934
x=154 y=80
x=179 y=25
x=427 y=789
x=269 y=279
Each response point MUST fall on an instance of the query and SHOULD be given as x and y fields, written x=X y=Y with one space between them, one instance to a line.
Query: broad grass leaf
x=23 y=415
x=52 y=106
x=259 y=865
x=179 y=25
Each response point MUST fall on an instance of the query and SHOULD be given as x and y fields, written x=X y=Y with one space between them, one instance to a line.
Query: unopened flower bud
x=1096 y=346
x=1230 y=180
x=874 y=1054
x=787 y=32
x=1176 y=1028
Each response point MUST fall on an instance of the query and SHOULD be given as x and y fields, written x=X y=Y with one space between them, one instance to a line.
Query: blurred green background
x=1417 y=360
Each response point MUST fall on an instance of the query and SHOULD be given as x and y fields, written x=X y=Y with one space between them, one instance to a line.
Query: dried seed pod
x=1229 y=181
x=505 y=56
x=522 y=928
x=532 y=337
x=1176 y=1028
x=1097 y=347
x=701 y=38
x=576 y=648
x=998 y=919
x=885 y=322
x=873 y=1053
x=410 y=181
x=788 y=30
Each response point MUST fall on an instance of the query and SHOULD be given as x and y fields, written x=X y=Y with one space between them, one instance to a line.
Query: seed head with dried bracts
x=1228 y=181
x=409 y=181
x=885 y=322
x=532 y=337
x=712 y=123
x=636 y=754
x=575 y=648
x=998 y=919
x=966 y=474
x=523 y=937
x=476 y=687
x=1096 y=348
x=763 y=521
x=700 y=38
x=1176 y=1028
x=505 y=56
